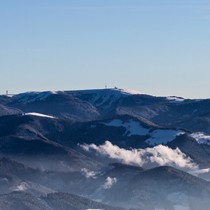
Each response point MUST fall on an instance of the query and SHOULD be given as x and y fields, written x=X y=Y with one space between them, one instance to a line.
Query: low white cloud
x=150 y=157
x=201 y=171
x=109 y=182
x=94 y=209
x=201 y=138
x=88 y=174
x=21 y=187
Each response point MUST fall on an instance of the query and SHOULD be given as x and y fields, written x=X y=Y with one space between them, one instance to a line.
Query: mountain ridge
x=97 y=143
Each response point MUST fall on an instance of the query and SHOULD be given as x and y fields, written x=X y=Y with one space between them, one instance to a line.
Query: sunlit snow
x=131 y=92
x=175 y=99
x=39 y=115
x=163 y=136
x=132 y=127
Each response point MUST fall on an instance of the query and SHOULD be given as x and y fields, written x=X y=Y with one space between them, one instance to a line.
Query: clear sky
x=159 y=47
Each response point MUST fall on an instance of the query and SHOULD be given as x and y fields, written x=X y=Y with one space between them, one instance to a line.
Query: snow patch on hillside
x=39 y=115
x=175 y=99
x=130 y=92
x=132 y=127
x=157 y=137
x=163 y=136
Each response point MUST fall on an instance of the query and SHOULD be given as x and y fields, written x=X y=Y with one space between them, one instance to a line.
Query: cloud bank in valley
x=150 y=157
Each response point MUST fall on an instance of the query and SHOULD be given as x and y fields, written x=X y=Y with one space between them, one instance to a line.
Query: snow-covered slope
x=103 y=98
x=132 y=127
x=30 y=97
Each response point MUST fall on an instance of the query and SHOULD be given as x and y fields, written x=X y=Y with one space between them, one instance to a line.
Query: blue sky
x=158 y=47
